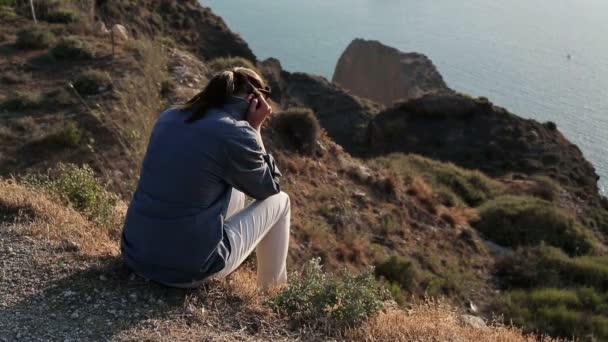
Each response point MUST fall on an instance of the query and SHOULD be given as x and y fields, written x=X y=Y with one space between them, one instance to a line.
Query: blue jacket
x=174 y=228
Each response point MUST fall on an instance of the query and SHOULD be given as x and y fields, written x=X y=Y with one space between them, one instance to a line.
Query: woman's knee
x=285 y=199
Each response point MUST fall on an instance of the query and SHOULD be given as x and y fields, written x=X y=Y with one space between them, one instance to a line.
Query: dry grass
x=457 y=217
x=423 y=192
x=431 y=321
x=39 y=215
x=133 y=115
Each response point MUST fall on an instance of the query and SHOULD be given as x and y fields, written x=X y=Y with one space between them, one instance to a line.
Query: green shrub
x=224 y=63
x=34 y=37
x=599 y=215
x=59 y=96
x=68 y=135
x=526 y=221
x=15 y=77
x=167 y=87
x=558 y=312
x=72 y=48
x=316 y=297
x=80 y=188
x=91 y=82
x=545 y=188
x=61 y=15
x=42 y=60
x=397 y=270
x=7 y=13
x=20 y=101
x=53 y=11
x=298 y=129
x=549 y=266
x=468 y=187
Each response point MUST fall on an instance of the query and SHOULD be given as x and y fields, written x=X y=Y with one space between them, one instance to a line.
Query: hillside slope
x=74 y=98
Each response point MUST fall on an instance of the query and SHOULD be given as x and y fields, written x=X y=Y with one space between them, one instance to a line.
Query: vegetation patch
x=455 y=186
x=34 y=37
x=549 y=266
x=78 y=187
x=7 y=12
x=68 y=135
x=20 y=101
x=72 y=48
x=399 y=274
x=599 y=216
x=398 y=270
x=527 y=221
x=298 y=129
x=316 y=297
x=577 y=312
x=62 y=15
x=60 y=96
x=545 y=188
x=92 y=82
x=552 y=292
x=225 y=63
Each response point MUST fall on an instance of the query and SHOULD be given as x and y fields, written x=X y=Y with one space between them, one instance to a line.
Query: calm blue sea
x=513 y=52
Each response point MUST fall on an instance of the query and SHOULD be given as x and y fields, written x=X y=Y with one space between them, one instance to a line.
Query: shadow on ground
x=94 y=303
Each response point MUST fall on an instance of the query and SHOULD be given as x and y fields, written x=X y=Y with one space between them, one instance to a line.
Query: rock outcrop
x=120 y=33
x=384 y=74
x=475 y=134
x=344 y=116
x=187 y=22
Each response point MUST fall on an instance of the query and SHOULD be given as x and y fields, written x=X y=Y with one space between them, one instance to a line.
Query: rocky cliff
x=384 y=74
x=343 y=115
x=474 y=133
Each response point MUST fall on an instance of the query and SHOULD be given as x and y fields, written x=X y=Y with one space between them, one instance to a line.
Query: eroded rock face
x=475 y=134
x=384 y=74
x=345 y=117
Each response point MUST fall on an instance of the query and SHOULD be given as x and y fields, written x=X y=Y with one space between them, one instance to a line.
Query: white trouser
x=263 y=225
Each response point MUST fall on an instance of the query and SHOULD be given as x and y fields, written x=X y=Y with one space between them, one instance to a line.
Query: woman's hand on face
x=259 y=110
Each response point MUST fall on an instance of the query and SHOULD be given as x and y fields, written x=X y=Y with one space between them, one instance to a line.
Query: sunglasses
x=266 y=91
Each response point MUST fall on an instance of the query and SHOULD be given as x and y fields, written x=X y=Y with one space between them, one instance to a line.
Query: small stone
x=359 y=194
x=68 y=293
x=103 y=277
x=160 y=302
x=473 y=322
x=69 y=246
x=9 y=249
x=120 y=33
x=133 y=296
x=74 y=315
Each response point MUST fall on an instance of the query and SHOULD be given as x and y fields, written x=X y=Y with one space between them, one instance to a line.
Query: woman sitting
x=187 y=221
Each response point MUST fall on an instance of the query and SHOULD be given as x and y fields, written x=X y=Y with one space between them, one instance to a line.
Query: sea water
x=541 y=59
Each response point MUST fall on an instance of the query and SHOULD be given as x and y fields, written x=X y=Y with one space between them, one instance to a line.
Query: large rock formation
x=384 y=74
x=475 y=134
x=345 y=117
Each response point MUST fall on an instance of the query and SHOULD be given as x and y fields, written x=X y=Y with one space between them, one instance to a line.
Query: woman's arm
x=248 y=167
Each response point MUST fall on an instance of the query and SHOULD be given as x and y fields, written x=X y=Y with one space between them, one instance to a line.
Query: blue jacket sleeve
x=248 y=167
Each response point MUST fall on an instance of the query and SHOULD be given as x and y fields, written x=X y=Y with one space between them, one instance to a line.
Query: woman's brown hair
x=223 y=85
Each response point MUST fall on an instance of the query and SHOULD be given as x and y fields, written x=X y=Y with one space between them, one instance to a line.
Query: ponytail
x=219 y=89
